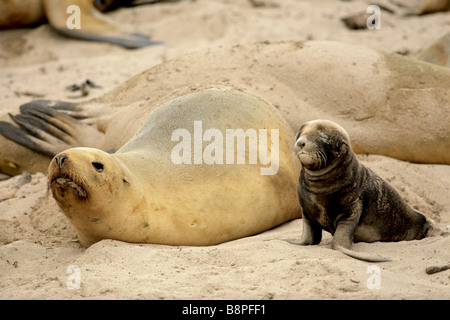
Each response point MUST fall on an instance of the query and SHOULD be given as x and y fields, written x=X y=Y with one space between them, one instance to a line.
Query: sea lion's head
x=81 y=174
x=321 y=143
x=87 y=184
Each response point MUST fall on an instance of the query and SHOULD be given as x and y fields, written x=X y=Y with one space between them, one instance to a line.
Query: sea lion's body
x=142 y=194
x=339 y=194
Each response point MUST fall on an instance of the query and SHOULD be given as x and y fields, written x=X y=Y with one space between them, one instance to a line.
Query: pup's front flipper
x=343 y=240
x=312 y=234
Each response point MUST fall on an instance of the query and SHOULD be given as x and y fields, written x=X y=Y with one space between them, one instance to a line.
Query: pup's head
x=319 y=143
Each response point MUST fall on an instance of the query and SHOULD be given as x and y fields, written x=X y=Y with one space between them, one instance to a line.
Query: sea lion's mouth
x=315 y=159
x=63 y=183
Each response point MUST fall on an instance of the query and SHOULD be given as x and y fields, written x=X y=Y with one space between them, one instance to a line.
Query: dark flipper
x=44 y=129
x=36 y=127
x=109 y=5
x=68 y=108
x=126 y=40
x=21 y=137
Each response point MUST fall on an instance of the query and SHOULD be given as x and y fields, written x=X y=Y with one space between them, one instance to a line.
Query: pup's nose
x=60 y=160
x=300 y=143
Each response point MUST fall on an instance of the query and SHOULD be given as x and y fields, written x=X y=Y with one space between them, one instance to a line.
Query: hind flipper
x=93 y=26
x=71 y=109
x=48 y=131
x=23 y=138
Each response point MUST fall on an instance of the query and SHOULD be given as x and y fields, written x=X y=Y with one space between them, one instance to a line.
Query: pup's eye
x=98 y=166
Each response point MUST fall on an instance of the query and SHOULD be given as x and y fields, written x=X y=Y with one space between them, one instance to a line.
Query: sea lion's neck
x=337 y=175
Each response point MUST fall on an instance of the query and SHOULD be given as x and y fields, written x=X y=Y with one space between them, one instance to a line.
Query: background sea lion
x=339 y=194
x=108 y=5
x=377 y=96
x=430 y=6
x=139 y=194
x=19 y=13
x=438 y=52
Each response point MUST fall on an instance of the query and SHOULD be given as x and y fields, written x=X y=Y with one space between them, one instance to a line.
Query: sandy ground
x=40 y=257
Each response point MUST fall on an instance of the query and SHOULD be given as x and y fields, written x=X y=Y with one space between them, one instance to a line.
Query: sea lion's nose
x=60 y=160
x=301 y=143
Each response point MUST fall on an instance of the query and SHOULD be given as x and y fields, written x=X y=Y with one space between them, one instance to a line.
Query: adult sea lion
x=339 y=194
x=152 y=191
x=19 y=13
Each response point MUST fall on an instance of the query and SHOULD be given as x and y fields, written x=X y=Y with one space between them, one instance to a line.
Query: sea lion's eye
x=98 y=166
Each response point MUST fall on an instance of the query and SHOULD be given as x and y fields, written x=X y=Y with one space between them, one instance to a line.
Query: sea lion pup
x=19 y=13
x=157 y=189
x=339 y=194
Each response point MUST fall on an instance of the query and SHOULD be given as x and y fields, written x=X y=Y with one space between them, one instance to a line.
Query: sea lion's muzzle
x=300 y=143
x=62 y=178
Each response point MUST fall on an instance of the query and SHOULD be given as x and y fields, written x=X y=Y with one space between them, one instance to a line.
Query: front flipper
x=312 y=234
x=48 y=131
x=343 y=240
